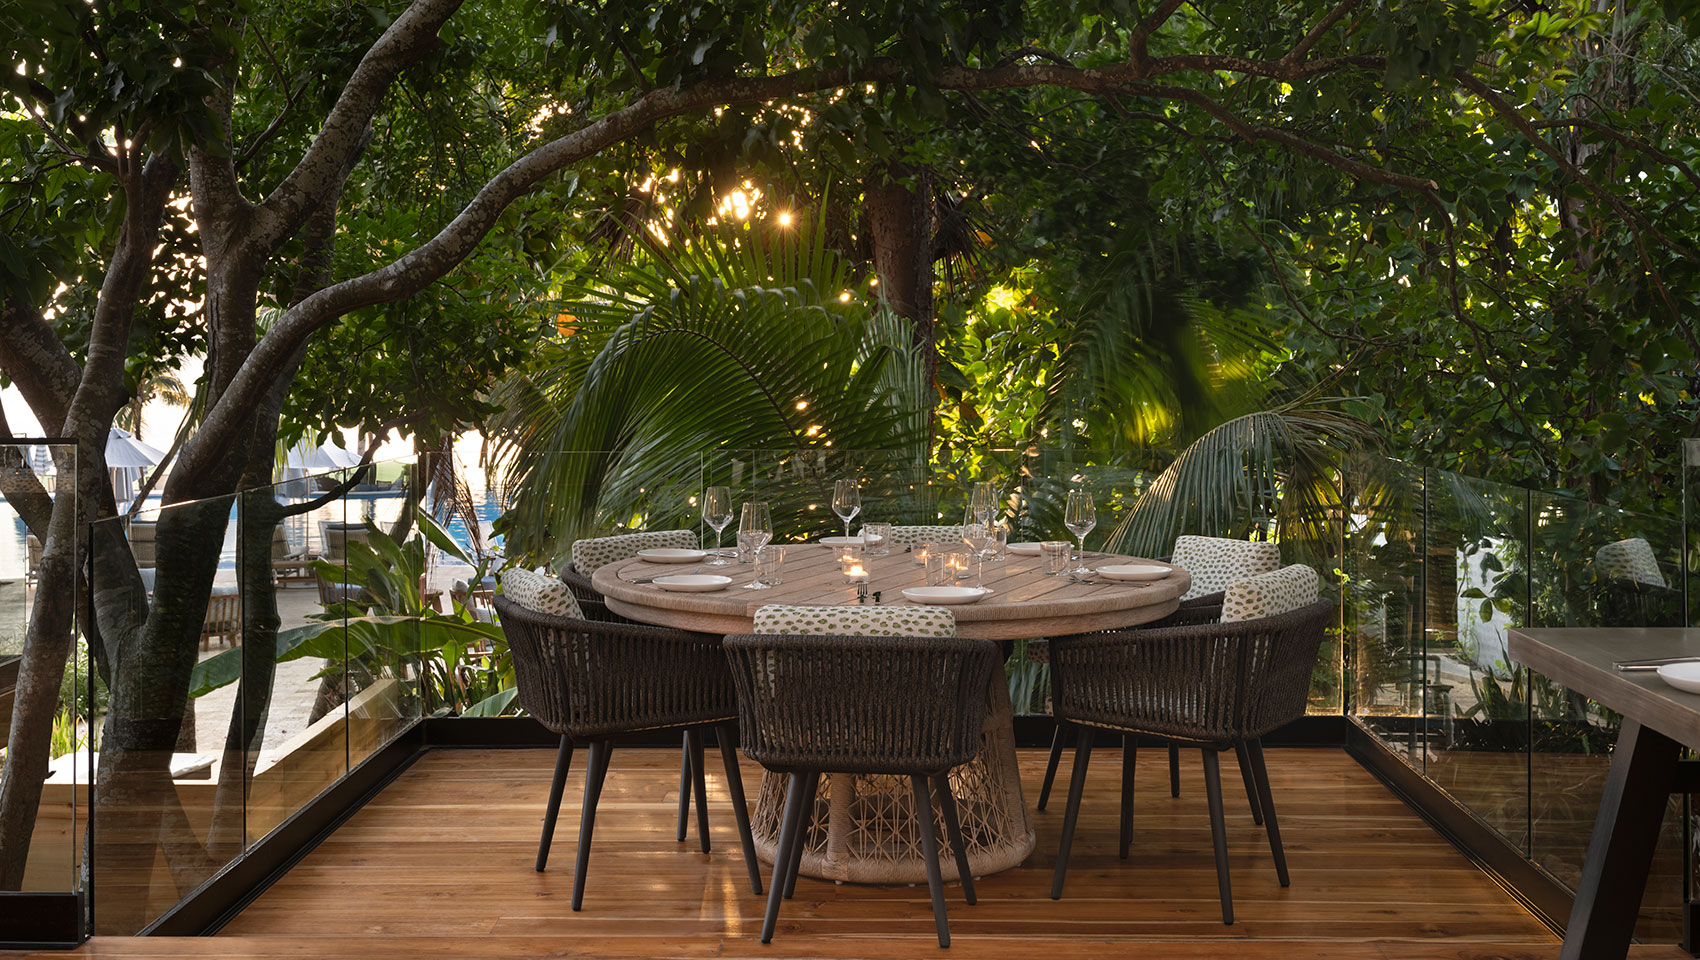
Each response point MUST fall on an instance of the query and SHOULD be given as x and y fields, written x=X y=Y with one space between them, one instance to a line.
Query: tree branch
x=1626 y=140
x=409 y=37
x=1142 y=32
x=37 y=361
x=1316 y=33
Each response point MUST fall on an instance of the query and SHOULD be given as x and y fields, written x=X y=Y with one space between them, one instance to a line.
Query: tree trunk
x=900 y=221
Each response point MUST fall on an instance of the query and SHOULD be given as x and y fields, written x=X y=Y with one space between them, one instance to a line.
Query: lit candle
x=920 y=552
x=854 y=571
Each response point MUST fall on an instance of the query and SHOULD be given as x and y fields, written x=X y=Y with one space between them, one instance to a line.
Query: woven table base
x=863 y=827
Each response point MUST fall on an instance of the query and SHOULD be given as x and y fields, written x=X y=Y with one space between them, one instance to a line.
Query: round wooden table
x=862 y=830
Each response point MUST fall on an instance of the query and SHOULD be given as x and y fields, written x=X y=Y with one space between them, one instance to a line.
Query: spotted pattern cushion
x=1215 y=562
x=540 y=592
x=892 y=621
x=910 y=536
x=591 y=553
x=1272 y=593
x=1630 y=559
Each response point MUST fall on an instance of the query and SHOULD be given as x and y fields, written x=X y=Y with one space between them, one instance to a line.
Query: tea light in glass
x=921 y=551
x=854 y=570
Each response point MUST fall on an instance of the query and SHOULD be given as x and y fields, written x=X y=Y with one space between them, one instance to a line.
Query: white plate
x=1133 y=571
x=947 y=595
x=1683 y=676
x=1023 y=549
x=842 y=541
x=692 y=582
x=671 y=555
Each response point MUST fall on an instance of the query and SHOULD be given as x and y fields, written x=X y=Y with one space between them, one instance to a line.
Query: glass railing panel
x=381 y=687
x=38 y=558
x=1382 y=606
x=297 y=743
x=168 y=798
x=1475 y=715
x=1596 y=566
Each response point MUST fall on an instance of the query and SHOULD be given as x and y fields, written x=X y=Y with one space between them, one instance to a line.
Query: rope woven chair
x=902 y=706
x=592 y=681
x=1211 y=685
x=1213 y=563
x=589 y=553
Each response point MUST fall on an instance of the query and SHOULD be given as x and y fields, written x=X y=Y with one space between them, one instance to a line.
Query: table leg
x=1620 y=852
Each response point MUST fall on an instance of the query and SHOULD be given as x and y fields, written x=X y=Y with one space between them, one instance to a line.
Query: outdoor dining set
x=864 y=674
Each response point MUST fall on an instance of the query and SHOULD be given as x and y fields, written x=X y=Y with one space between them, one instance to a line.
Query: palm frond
x=734 y=340
x=1274 y=473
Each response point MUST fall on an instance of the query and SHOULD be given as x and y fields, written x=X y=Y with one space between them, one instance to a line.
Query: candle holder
x=921 y=552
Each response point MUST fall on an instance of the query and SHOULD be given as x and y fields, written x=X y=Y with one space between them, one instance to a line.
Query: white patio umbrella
x=326 y=457
x=126 y=457
x=124 y=450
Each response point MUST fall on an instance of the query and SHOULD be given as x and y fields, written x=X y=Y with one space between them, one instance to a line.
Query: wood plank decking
x=440 y=865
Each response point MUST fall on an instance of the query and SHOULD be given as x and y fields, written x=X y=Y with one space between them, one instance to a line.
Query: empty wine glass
x=981 y=500
x=846 y=502
x=755 y=525
x=717 y=513
x=976 y=534
x=1080 y=516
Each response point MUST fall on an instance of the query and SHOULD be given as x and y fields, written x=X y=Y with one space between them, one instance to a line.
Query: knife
x=1653 y=663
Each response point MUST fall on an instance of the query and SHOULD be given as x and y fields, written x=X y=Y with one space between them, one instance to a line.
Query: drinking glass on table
x=876 y=537
x=846 y=502
x=997 y=548
x=1080 y=516
x=976 y=533
x=981 y=501
x=755 y=527
x=770 y=561
x=717 y=513
x=1056 y=556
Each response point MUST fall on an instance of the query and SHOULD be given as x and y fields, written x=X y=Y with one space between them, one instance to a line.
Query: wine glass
x=1080 y=516
x=981 y=500
x=717 y=513
x=976 y=534
x=846 y=502
x=755 y=527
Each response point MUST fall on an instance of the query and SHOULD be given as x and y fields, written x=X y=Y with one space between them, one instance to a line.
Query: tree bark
x=900 y=221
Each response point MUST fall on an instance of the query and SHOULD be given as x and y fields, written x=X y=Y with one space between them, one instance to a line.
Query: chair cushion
x=540 y=592
x=593 y=552
x=1630 y=559
x=909 y=536
x=1268 y=594
x=897 y=620
x=1215 y=562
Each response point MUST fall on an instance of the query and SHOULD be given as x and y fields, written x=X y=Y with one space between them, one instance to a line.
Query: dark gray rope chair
x=1205 y=609
x=1210 y=685
x=592 y=681
x=579 y=583
x=903 y=706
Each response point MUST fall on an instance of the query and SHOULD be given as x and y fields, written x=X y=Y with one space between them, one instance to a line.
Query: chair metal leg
x=787 y=838
x=563 y=761
x=953 y=832
x=693 y=738
x=930 y=852
x=1174 y=770
x=1130 y=754
x=795 y=866
x=1051 y=764
x=1218 y=831
x=684 y=784
x=1240 y=751
x=594 y=776
x=1260 y=773
x=740 y=809
x=1076 y=787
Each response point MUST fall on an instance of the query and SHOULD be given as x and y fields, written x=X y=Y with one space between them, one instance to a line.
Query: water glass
x=998 y=546
x=770 y=562
x=1056 y=554
x=876 y=537
x=747 y=547
x=941 y=569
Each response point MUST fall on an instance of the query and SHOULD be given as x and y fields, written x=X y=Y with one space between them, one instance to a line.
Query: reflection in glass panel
x=1475 y=703
x=168 y=798
x=1383 y=610
x=38 y=556
x=1596 y=566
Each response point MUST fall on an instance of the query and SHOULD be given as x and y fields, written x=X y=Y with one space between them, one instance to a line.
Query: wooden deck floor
x=440 y=865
